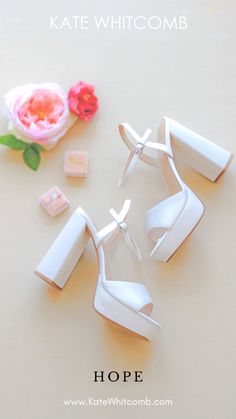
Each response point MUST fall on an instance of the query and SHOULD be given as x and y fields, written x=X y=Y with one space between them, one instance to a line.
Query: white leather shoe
x=127 y=304
x=171 y=221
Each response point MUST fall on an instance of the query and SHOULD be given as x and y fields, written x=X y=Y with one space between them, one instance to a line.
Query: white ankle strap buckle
x=120 y=224
x=137 y=149
x=123 y=228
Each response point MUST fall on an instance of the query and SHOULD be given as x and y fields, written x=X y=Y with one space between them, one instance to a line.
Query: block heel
x=61 y=258
x=203 y=155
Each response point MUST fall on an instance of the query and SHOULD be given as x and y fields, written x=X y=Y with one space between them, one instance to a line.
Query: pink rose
x=38 y=113
x=82 y=101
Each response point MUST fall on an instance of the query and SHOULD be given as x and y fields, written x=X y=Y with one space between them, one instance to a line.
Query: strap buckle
x=123 y=227
x=137 y=149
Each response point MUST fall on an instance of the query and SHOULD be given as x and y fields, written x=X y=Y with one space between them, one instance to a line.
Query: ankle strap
x=119 y=226
x=137 y=147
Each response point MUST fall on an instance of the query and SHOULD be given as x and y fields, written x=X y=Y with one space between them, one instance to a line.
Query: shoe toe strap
x=132 y=294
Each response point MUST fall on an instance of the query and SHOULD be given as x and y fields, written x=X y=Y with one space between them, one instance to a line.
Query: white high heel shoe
x=127 y=304
x=171 y=221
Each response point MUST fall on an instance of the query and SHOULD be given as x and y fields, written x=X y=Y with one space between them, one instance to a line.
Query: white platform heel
x=171 y=221
x=126 y=304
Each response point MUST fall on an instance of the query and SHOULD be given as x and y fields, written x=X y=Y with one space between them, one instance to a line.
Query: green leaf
x=11 y=141
x=38 y=147
x=31 y=157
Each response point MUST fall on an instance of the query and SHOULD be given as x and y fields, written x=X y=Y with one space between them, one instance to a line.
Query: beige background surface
x=50 y=341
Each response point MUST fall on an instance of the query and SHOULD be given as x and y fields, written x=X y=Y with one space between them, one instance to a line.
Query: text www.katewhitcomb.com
x=116 y=401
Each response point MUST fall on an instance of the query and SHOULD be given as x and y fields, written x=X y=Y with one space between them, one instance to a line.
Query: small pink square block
x=54 y=201
x=76 y=163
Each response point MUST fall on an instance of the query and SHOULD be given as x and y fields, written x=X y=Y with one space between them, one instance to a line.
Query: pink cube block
x=54 y=201
x=76 y=163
